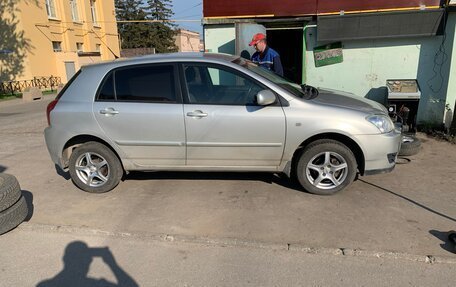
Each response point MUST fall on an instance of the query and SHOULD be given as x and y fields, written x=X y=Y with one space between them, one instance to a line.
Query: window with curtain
x=74 y=10
x=93 y=10
x=50 y=8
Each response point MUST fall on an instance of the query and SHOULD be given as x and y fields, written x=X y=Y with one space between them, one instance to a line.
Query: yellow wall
x=41 y=30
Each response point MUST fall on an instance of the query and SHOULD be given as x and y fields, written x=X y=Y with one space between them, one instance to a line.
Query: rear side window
x=107 y=89
x=68 y=84
x=145 y=84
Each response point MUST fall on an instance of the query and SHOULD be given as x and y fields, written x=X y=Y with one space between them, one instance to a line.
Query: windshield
x=284 y=83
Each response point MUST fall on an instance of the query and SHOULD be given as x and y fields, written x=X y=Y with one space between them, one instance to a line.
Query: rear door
x=140 y=109
x=244 y=34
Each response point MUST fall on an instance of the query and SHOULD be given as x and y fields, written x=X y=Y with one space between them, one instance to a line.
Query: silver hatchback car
x=213 y=112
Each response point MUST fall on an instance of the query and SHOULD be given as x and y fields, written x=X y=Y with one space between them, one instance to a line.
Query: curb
x=232 y=242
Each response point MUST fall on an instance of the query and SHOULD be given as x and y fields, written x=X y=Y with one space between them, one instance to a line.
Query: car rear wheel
x=95 y=168
x=326 y=167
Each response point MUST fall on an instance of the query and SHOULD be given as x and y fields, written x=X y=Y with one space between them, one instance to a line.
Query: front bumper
x=380 y=151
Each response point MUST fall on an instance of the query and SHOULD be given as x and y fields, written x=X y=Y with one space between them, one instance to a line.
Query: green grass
x=5 y=97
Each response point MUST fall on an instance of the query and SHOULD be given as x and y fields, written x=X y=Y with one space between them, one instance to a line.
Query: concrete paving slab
x=408 y=211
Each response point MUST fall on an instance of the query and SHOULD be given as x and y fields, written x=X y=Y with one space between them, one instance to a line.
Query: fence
x=12 y=87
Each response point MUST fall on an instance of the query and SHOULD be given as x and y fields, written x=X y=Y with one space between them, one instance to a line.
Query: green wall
x=369 y=63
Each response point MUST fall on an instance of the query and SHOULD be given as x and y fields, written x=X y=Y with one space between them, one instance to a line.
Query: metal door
x=70 y=70
x=244 y=34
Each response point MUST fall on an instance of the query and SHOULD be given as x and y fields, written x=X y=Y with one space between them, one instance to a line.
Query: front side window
x=93 y=10
x=146 y=84
x=74 y=10
x=50 y=9
x=214 y=85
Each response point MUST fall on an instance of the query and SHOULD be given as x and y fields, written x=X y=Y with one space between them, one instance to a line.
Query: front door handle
x=109 y=112
x=197 y=114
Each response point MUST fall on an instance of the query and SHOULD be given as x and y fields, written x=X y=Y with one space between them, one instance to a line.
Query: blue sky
x=189 y=10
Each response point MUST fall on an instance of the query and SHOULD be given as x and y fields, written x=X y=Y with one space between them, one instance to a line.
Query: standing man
x=264 y=56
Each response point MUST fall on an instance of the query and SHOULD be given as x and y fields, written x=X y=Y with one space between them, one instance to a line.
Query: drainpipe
x=304 y=46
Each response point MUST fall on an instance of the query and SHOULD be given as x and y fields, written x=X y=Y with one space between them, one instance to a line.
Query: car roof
x=158 y=58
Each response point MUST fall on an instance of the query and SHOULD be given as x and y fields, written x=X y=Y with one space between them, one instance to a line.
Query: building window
x=98 y=47
x=57 y=46
x=93 y=10
x=80 y=47
x=50 y=8
x=74 y=10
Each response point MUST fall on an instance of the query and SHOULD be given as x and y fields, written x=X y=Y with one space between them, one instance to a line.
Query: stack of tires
x=13 y=207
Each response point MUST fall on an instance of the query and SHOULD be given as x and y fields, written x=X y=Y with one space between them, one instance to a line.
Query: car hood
x=348 y=100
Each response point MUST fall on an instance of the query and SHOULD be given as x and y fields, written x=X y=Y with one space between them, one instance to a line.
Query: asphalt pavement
x=220 y=229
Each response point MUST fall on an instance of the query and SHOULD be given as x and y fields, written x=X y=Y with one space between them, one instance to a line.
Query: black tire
x=410 y=146
x=10 y=191
x=112 y=170
x=13 y=216
x=315 y=154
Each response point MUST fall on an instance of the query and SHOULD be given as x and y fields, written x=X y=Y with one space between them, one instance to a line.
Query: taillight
x=49 y=109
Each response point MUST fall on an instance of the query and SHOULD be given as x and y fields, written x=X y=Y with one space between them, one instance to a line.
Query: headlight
x=382 y=122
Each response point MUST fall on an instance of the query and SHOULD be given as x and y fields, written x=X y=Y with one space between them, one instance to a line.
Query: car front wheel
x=95 y=168
x=326 y=167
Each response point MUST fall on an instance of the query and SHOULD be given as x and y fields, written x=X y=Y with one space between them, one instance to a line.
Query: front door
x=224 y=126
x=140 y=109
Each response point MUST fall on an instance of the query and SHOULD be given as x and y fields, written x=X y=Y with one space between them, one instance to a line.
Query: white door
x=70 y=70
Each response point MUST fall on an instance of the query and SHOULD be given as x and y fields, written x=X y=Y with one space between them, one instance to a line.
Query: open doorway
x=288 y=42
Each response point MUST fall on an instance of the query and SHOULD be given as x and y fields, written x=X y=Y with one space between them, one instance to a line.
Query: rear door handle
x=109 y=112
x=197 y=114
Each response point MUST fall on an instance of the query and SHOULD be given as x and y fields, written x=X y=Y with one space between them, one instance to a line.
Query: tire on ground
x=318 y=147
x=10 y=191
x=13 y=216
x=116 y=170
x=410 y=146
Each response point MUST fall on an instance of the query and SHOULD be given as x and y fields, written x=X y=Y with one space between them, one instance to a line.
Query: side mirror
x=265 y=98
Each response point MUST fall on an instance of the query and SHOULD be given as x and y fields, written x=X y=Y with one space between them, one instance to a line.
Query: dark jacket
x=269 y=59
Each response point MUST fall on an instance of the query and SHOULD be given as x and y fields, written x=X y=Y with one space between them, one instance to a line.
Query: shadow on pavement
x=265 y=177
x=2 y=168
x=443 y=236
x=29 y=199
x=411 y=201
x=62 y=173
x=77 y=259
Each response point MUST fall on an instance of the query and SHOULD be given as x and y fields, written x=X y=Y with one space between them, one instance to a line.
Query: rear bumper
x=54 y=144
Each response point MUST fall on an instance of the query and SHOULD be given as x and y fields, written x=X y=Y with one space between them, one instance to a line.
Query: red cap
x=257 y=38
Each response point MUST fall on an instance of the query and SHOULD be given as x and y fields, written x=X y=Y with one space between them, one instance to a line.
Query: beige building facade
x=187 y=41
x=63 y=35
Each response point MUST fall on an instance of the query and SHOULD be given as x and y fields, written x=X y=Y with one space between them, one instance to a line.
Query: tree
x=134 y=34
x=14 y=45
x=163 y=32
x=158 y=35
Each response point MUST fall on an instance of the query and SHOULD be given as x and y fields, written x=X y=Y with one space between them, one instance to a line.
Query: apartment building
x=63 y=35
